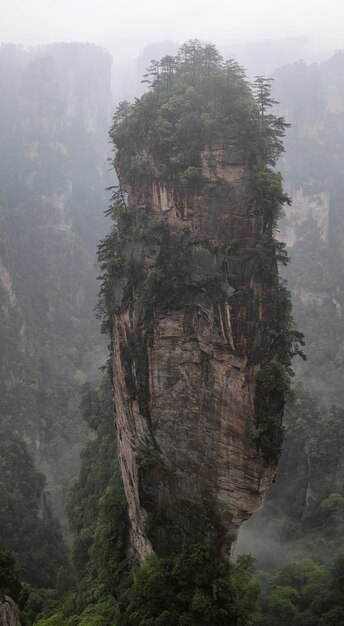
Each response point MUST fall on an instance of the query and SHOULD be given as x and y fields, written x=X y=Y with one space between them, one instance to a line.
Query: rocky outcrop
x=9 y=612
x=201 y=330
x=185 y=364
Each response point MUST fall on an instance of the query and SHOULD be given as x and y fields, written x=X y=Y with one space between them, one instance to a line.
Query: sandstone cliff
x=196 y=316
x=9 y=613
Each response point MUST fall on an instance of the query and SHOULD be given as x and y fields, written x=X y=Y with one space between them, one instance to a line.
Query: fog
x=126 y=28
x=195 y=204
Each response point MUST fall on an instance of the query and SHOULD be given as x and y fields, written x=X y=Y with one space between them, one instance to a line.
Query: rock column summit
x=193 y=304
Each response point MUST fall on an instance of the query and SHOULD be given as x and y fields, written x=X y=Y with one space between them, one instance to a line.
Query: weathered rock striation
x=9 y=612
x=196 y=325
x=193 y=403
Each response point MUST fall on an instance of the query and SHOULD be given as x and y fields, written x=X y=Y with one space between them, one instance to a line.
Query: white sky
x=125 y=27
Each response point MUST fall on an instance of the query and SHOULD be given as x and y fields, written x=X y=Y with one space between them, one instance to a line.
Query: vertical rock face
x=194 y=320
x=9 y=613
x=184 y=428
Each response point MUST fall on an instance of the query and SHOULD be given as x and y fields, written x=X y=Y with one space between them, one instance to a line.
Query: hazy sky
x=126 y=26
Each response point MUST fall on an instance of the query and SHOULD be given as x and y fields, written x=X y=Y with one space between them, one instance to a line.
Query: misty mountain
x=303 y=515
x=55 y=113
x=55 y=108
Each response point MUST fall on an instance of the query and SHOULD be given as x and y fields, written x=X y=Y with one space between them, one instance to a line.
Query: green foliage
x=191 y=588
x=318 y=434
x=333 y=503
x=191 y=176
x=145 y=458
x=121 y=255
x=270 y=195
x=9 y=581
x=272 y=387
x=272 y=127
x=99 y=615
x=195 y=97
x=27 y=526
x=305 y=593
x=36 y=603
x=306 y=500
x=273 y=382
x=97 y=511
x=164 y=286
x=58 y=619
x=274 y=377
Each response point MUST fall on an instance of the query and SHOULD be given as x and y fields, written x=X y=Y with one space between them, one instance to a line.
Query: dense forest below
x=55 y=115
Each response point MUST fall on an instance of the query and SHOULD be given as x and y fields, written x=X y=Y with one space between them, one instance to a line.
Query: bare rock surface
x=9 y=613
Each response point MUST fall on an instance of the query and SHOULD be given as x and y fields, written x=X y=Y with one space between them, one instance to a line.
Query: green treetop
x=194 y=98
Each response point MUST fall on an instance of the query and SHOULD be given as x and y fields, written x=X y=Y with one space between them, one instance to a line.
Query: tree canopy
x=193 y=98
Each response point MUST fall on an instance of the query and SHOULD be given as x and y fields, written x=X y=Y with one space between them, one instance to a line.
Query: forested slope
x=303 y=516
x=54 y=114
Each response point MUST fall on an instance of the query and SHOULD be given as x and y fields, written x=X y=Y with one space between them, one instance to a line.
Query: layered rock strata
x=9 y=612
x=185 y=365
